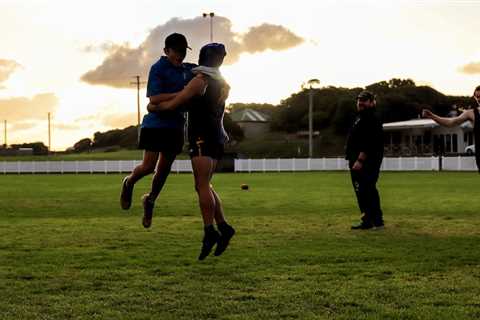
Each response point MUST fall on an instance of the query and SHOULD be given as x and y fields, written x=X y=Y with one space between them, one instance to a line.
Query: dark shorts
x=165 y=140
x=204 y=148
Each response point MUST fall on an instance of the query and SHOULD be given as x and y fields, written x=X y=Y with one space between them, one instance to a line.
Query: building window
x=448 y=143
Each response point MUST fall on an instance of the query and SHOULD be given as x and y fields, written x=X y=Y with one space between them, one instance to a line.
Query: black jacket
x=366 y=135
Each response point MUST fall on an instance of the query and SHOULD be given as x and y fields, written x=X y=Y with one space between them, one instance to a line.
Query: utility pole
x=5 y=129
x=211 y=15
x=312 y=83
x=310 y=122
x=138 y=83
x=49 y=135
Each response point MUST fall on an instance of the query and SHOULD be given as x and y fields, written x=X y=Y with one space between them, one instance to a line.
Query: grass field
x=67 y=251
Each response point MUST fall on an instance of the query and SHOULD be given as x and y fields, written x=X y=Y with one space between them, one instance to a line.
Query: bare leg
x=162 y=171
x=145 y=168
x=219 y=215
x=203 y=169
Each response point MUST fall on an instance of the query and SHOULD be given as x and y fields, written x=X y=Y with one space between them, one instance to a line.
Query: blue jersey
x=164 y=77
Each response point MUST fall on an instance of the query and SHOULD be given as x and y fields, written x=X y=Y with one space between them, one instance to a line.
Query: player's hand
x=152 y=107
x=357 y=166
x=427 y=113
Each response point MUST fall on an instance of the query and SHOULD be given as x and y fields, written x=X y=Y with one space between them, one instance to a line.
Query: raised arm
x=449 y=122
x=195 y=87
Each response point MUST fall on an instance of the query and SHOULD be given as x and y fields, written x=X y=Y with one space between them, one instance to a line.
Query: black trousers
x=365 y=185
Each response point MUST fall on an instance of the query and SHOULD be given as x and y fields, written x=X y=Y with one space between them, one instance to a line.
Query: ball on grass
x=244 y=186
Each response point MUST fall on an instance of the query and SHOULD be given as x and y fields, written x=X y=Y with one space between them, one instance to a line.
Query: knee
x=199 y=187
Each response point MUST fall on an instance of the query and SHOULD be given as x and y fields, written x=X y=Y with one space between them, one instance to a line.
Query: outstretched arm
x=449 y=122
x=195 y=87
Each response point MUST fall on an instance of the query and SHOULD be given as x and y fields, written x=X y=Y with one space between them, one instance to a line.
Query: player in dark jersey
x=206 y=94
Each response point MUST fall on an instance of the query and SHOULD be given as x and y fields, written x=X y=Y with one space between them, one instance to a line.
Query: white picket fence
x=85 y=166
x=333 y=164
x=241 y=165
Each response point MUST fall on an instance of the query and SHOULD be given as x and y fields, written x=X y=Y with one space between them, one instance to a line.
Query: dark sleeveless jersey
x=205 y=115
x=476 y=132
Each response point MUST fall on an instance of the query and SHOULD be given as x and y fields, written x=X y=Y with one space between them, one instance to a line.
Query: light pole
x=311 y=84
x=211 y=15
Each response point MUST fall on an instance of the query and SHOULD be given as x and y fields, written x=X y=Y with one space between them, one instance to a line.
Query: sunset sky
x=76 y=59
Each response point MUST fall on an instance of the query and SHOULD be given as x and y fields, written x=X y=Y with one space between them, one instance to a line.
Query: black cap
x=366 y=95
x=176 y=41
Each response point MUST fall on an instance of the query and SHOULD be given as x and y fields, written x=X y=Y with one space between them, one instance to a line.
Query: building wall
x=254 y=129
x=421 y=141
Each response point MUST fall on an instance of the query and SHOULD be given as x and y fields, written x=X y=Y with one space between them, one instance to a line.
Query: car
x=470 y=150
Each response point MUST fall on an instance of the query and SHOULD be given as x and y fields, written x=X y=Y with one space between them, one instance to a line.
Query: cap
x=366 y=95
x=176 y=41
x=212 y=54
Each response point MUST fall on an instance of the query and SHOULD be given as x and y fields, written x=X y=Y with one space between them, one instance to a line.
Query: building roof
x=417 y=123
x=249 y=115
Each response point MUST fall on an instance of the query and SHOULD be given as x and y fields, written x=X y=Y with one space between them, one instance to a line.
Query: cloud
x=7 y=67
x=66 y=126
x=123 y=61
x=22 y=108
x=471 y=68
x=119 y=120
x=19 y=126
x=108 y=47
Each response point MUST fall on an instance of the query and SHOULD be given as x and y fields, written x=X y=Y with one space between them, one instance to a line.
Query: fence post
x=415 y=164
x=309 y=164
x=264 y=164
x=33 y=167
x=18 y=167
x=459 y=163
x=293 y=165
x=278 y=164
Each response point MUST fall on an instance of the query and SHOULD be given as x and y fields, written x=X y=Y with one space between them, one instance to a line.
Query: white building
x=425 y=137
x=253 y=122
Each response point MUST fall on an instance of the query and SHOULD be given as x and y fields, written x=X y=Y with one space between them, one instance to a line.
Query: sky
x=77 y=59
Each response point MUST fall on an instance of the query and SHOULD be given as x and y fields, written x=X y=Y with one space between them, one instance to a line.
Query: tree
x=83 y=145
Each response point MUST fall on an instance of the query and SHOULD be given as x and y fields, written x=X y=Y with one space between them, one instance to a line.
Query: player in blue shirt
x=162 y=133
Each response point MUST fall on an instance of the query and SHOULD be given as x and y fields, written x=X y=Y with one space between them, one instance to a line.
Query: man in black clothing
x=364 y=153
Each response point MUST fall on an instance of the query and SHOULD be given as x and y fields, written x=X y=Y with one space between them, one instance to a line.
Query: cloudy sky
x=77 y=59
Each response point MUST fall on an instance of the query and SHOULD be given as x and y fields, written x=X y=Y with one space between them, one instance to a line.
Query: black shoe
x=126 y=195
x=210 y=239
x=227 y=233
x=378 y=225
x=362 y=226
x=148 y=205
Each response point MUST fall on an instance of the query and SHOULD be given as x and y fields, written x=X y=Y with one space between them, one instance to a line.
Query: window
x=455 y=143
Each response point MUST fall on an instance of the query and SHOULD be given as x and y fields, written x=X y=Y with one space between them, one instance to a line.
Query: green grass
x=68 y=252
